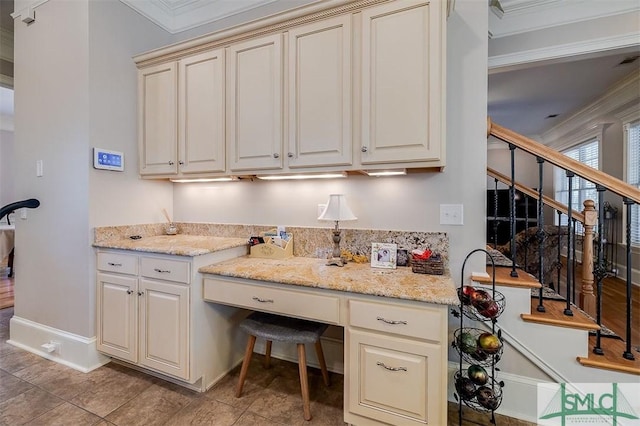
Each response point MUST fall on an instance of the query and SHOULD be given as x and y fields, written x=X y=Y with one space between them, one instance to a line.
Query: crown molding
x=563 y=51
x=619 y=96
x=28 y=10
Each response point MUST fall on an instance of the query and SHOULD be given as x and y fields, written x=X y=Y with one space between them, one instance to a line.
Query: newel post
x=587 y=297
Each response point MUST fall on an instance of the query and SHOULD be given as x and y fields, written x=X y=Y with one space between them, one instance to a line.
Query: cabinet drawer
x=405 y=321
x=280 y=301
x=165 y=269
x=118 y=262
x=394 y=380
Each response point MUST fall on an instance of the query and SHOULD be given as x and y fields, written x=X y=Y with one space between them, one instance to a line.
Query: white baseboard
x=74 y=351
x=519 y=396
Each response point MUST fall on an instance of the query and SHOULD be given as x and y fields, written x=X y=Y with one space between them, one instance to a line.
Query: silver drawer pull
x=382 y=364
x=162 y=271
x=393 y=322
x=114 y=264
x=257 y=299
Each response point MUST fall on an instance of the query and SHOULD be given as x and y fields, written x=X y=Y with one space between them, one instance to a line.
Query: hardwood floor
x=6 y=286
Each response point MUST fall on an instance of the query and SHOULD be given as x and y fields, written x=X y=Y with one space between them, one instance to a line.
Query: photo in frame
x=384 y=255
x=402 y=257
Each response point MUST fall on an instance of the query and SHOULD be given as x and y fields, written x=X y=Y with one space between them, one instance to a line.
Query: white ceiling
x=520 y=98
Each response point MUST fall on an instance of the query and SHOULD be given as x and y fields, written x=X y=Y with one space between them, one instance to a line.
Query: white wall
x=75 y=89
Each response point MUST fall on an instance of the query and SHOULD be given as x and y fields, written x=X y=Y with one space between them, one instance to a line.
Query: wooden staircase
x=554 y=317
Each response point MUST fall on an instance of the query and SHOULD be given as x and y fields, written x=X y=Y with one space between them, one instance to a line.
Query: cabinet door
x=319 y=82
x=201 y=135
x=254 y=104
x=401 y=82
x=157 y=119
x=117 y=332
x=395 y=380
x=164 y=327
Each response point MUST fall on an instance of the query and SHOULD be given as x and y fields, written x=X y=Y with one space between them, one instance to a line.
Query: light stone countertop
x=398 y=283
x=180 y=245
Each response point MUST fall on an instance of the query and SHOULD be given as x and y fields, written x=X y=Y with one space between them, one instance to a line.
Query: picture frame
x=384 y=255
x=402 y=257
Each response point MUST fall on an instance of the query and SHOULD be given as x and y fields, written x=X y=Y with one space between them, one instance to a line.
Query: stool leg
x=323 y=364
x=267 y=355
x=304 y=382
x=245 y=364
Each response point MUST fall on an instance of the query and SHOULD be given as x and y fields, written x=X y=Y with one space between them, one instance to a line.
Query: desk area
x=395 y=322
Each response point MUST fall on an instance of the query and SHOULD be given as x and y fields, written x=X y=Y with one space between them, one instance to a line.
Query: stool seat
x=277 y=328
x=289 y=330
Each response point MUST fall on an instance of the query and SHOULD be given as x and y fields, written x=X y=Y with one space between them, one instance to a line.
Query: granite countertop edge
x=398 y=283
x=177 y=245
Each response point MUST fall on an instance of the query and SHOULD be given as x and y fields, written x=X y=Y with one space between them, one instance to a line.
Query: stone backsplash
x=308 y=242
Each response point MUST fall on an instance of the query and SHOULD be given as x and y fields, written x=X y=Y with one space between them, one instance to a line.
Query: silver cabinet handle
x=290 y=155
x=171 y=163
x=382 y=364
x=393 y=322
x=257 y=299
x=364 y=149
x=129 y=291
x=276 y=155
x=114 y=264
x=141 y=293
x=181 y=162
x=162 y=271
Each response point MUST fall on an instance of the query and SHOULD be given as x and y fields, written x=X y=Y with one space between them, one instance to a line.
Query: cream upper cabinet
x=201 y=106
x=157 y=119
x=402 y=83
x=319 y=91
x=254 y=104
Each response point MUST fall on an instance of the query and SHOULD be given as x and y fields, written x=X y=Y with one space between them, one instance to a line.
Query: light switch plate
x=451 y=214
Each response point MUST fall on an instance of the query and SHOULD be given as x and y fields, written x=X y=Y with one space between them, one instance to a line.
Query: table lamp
x=337 y=210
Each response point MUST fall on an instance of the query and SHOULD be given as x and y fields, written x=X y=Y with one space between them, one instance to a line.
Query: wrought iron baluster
x=599 y=271
x=495 y=212
x=575 y=262
x=570 y=242
x=540 y=235
x=627 y=352
x=559 y=259
x=512 y=210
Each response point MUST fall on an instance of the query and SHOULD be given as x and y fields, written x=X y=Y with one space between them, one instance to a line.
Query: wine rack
x=479 y=349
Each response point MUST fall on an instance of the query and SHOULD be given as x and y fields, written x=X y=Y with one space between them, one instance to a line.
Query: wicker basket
x=429 y=266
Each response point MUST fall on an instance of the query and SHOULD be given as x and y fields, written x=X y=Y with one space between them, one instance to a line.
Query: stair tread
x=554 y=315
x=504 y=278
x=612 y=358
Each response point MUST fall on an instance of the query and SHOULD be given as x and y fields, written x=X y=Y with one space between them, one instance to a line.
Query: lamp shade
x=337 y=209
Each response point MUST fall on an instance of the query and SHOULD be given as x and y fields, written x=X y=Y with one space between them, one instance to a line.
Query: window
x=582 y=189
x=632 y=135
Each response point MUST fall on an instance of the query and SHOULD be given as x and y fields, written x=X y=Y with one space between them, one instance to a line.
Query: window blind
x=633 y=175
x=586 y=153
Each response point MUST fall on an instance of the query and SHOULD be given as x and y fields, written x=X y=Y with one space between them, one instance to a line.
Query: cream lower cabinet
x=150 y=313
x=396 y=364
x=145 y=321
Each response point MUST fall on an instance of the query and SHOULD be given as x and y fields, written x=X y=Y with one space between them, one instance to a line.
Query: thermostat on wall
x=108 y=160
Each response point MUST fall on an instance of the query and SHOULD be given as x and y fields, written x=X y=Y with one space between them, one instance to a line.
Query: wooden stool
x=284 y=329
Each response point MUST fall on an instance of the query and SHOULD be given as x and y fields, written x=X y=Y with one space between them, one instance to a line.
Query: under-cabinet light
x=220 y=179
x=304 y=176
x=390 y=172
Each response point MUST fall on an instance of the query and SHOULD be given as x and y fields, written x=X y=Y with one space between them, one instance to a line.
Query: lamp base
x=336 y=261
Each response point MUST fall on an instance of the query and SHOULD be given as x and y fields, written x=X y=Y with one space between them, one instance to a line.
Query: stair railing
x=590 y=302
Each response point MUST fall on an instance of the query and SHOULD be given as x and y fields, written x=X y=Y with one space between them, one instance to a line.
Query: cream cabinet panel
x=319 y=83
x=395 y=380
x=201 y=136
x=117 y=300
x=254 y=104
x=157 y=119
x=401 y=93
x=164 y=327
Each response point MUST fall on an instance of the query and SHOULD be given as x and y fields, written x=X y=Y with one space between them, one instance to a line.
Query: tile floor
x=35 y=391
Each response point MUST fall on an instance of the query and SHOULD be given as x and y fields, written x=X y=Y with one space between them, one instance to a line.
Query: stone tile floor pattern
x=36 y=391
